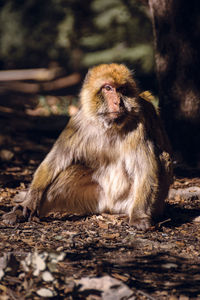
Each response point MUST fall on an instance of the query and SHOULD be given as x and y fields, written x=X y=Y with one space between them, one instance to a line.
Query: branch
x=31 y=74
x=34 y=88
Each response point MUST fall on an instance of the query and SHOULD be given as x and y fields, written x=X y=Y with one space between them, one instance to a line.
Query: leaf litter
x=100 y=256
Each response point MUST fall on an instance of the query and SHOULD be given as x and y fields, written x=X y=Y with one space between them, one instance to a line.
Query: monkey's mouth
x=115 y=114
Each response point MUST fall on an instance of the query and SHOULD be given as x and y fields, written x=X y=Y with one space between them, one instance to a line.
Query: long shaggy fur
x=103 y=164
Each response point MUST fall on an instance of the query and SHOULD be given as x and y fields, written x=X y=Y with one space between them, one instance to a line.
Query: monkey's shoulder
x=149 y=101
x=71 y=129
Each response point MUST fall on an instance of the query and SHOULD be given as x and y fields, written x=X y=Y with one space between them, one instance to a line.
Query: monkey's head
x=109 y=93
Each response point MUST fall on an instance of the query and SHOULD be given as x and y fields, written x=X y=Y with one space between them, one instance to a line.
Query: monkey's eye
x=107 y=87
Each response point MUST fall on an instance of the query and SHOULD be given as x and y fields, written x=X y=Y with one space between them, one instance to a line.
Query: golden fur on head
x=113 y=73
x=116 y=74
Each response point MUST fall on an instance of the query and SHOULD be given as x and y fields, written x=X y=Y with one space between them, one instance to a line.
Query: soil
x=162 y=263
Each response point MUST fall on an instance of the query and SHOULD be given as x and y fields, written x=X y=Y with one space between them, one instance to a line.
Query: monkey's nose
x=116 y=103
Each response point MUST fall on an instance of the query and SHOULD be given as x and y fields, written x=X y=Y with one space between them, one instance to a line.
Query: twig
x=163 y=222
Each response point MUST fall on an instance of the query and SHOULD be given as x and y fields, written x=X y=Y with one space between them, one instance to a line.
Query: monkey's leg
x=147 y=203
x=73 y=191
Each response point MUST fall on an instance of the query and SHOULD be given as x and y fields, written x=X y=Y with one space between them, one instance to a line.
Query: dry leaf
x=111 y=235
x=103 y=225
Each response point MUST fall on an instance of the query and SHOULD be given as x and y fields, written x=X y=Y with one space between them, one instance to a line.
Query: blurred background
x=60 y=40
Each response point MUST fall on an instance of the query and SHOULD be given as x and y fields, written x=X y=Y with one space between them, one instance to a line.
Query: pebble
x=47 y=276
x=45 y=293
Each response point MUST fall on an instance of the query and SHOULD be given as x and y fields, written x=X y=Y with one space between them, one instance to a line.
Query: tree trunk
x=176 y=26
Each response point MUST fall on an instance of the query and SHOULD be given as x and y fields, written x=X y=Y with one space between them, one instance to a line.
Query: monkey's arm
x=165 y=152
x=58 y=159
x=157 y=133
x=145 y=188
x=157 y=129
x=152 y=184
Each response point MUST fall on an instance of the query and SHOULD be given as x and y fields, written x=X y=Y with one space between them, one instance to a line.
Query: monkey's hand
x=17 y=214
x=20 y=212
x=141 y=223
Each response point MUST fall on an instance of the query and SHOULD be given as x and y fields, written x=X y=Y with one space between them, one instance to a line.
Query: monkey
x=113 y=156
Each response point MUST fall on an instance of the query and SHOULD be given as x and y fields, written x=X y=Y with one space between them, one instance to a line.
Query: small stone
x=108 y=288
x=38 y=263
x=47 y=276
x=56 y=257
x=169 y=266
x=45 y=293
x=60 y=248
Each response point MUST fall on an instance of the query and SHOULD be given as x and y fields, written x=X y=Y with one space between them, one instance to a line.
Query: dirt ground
x=162 y=263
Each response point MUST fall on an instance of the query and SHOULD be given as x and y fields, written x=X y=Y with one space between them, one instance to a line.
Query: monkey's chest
x=115 y=187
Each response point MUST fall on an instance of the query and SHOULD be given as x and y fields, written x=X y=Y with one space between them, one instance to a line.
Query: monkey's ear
x=147 y=96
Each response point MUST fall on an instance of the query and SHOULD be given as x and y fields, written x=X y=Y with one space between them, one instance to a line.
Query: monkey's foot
x=140 y=223
x=17 y=214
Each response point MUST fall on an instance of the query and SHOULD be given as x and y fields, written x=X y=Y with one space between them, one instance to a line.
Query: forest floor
x=73 y=257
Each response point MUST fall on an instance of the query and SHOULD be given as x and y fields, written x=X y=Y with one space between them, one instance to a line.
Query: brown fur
x=112 y=156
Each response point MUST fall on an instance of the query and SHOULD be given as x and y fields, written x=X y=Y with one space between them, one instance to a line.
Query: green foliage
x=76 y=34
x=142 y=55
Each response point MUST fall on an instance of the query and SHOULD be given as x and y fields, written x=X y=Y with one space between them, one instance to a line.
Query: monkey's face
x=116 y=101
x=110 y=93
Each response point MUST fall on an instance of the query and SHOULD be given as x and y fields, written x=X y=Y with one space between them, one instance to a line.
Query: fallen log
x=41 y=74
x=36 y=88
